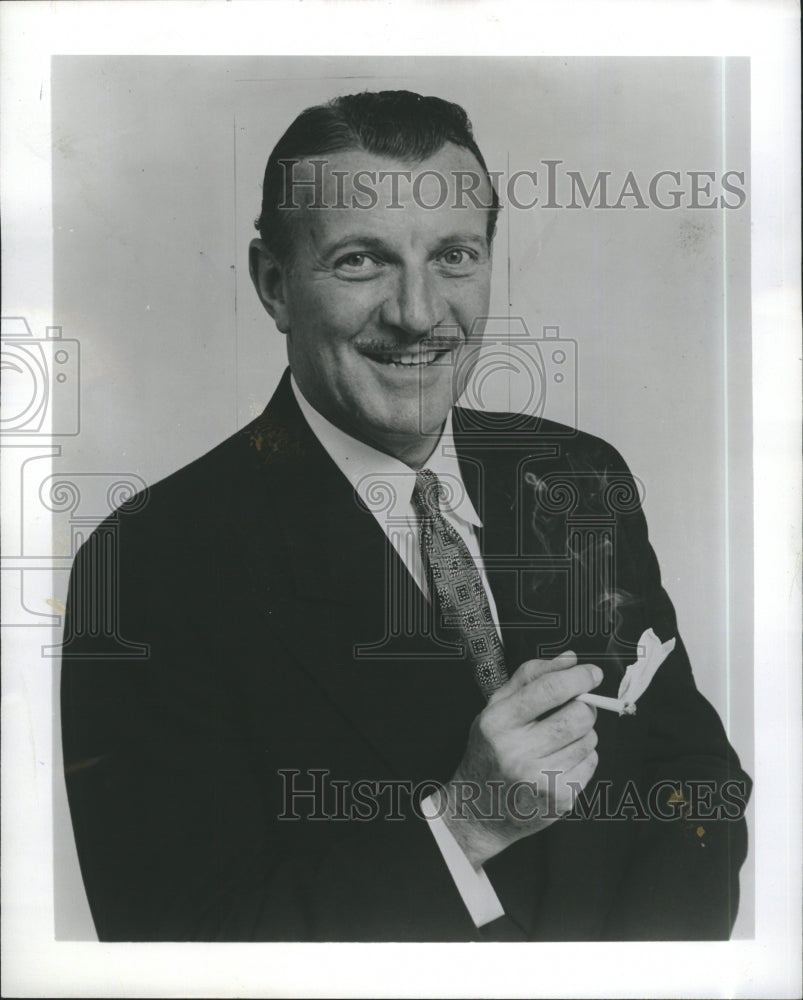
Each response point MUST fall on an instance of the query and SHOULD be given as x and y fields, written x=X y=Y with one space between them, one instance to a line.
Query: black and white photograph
x=387 y=519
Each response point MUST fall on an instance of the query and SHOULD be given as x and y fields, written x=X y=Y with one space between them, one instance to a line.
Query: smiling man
x=371 y=632
x=379 y=295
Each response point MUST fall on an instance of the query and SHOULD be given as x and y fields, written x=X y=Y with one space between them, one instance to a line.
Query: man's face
x=369 y=287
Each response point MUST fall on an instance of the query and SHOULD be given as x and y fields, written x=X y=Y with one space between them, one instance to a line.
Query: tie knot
x=427 y=493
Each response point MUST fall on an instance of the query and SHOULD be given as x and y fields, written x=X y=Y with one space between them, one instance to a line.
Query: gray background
x=157 y=167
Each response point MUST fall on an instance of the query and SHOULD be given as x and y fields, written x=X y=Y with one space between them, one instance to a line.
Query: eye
x=459 y=258
x=357 y=264
x=458 y=261
x=353 y=260
x=456 y=256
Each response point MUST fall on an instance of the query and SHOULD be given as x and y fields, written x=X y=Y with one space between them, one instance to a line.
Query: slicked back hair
x=398 y=124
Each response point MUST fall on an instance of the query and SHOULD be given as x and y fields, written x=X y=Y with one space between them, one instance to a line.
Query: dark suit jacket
x=210 y=646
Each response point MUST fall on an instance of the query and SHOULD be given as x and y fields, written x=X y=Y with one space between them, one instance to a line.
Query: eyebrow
x=464 y=238
x=377 y=243
x=370 y=242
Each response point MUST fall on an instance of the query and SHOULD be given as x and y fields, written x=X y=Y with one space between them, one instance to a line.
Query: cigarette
x=612 y=704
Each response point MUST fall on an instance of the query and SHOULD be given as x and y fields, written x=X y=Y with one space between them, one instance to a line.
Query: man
x=370 y=614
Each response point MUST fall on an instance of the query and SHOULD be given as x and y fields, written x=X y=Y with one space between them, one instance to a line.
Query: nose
x=415 y=304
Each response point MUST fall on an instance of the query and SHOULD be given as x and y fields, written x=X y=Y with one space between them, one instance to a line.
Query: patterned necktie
x=455 y=586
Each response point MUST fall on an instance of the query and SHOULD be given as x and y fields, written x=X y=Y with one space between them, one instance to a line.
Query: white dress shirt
x=385 y=485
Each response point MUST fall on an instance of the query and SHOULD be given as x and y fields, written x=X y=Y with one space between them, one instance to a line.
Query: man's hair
x=394 y=123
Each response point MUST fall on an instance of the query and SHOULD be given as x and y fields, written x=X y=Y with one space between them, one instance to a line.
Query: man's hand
x=514 y=777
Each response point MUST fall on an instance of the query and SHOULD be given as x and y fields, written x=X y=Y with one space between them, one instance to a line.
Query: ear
x=268 y=276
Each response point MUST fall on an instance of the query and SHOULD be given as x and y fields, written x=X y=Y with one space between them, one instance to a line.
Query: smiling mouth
x=406 y=359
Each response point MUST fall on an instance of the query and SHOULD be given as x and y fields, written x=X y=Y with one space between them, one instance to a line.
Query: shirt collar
x=382 y=482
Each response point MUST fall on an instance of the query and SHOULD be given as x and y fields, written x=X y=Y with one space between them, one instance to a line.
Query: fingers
x=557 y=779
x=531 y=669
x=570 y=783
x=570 y=723
x=571 y=769
x=550 y=690
x=582 y=773
x=566 y=759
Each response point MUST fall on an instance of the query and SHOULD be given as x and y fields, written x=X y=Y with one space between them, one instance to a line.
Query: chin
x=415 y=419
x=395 y=432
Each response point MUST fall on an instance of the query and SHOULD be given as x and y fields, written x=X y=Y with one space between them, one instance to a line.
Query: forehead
x=354 y=190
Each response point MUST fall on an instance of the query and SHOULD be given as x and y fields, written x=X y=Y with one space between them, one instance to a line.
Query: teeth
x=409 y=360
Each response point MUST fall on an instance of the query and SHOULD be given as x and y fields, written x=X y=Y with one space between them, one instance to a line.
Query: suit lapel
x=351 y=612
x=490 y=465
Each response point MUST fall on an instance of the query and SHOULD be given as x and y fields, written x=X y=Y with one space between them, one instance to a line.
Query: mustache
x=438 y=343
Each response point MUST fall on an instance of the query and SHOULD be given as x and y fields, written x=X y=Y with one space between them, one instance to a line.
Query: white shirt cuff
x=474 y=886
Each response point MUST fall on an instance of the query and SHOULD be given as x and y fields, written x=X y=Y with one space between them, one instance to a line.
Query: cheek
x=470 y=302
x=331 y=312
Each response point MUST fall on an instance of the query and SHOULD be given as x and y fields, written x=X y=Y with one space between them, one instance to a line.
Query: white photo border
x=37 y=965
